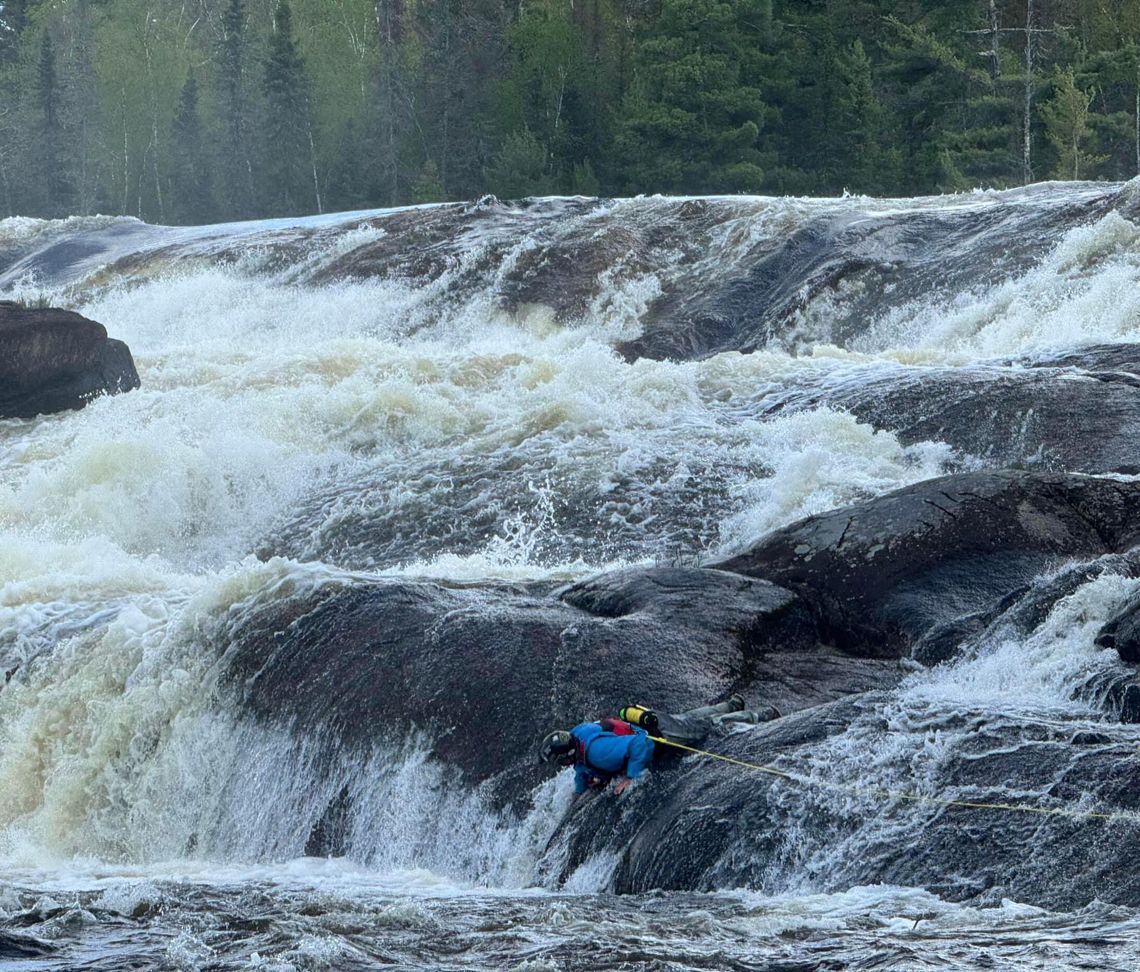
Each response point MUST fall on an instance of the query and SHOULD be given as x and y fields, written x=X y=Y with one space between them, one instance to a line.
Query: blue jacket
x=607 y=755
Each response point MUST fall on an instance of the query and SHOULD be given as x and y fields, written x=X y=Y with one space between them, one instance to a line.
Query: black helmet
x=557 y=747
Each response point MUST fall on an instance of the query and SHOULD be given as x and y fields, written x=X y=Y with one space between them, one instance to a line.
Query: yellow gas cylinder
x=638 y=715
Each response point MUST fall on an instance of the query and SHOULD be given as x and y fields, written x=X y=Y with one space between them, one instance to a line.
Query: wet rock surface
x=818 y=619
x=1068 y=418
x=712 y=275
x=55 y=360
x=1122 y=632
x=882 y=574
x=706 y=826
x=472 y=666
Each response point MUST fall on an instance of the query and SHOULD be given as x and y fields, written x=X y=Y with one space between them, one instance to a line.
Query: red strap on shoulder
x=617 y=726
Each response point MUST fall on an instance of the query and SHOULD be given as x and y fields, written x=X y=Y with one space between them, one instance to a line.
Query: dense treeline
x=197 y=110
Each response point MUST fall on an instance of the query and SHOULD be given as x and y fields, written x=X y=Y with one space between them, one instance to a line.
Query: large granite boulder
x=883 y=574
x=817 y=619
x=1057 y=418
x=54 y=360
x=466 y=666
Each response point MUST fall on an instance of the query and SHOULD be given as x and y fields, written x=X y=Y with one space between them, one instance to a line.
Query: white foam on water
x=122 y=746
x=23 y=228
x=885 y=908
x=115 y=727
x=911 y=741
x=823 y=459
x=256 y=393
x=1036 y=675
x=1085 y=291
x=126 y=531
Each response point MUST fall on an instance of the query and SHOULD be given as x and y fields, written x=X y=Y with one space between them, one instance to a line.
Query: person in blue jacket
x=606 y=755
x=615 y=749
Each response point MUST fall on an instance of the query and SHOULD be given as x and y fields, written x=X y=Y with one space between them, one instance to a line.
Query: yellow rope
x=880 y=793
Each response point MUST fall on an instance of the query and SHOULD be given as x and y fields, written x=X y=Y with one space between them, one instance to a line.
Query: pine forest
x=193 y=111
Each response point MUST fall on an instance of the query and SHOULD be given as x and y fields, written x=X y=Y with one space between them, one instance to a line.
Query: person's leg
x=731 y=705
x=747 y=716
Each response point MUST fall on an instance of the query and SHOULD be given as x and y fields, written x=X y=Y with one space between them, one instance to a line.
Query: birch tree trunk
x=1027 y=157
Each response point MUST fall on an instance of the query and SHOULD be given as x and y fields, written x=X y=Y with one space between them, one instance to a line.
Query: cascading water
x=482 y=413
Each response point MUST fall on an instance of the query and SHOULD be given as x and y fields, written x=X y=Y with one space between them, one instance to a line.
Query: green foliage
x=49 y=138
x=692 y=120
x=221 y=109
x=428 y=187
x=190 y=179
x=286 y=150
x=520 y=168
x=584 y=182
x=13 y=19
x=1066 y=117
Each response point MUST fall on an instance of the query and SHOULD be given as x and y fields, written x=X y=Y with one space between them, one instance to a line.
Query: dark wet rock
x=1090 y=739
x=1112 y=360
x=482 y=673
x=1057 y=418
x=1122 y=632
x=684 y=619
x=696 y=600
x=14 y=947
x=713 y=275
x=675 y=827
x=1021 y=611
x=708 y=825
x=54 y=360
x=767 y=298
x=1123 y=699
x=881 y=575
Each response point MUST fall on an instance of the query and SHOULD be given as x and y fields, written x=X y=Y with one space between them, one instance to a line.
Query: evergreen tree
x=287 y=151
x=864 y=161
x=520 y=168
x=693 y=118
x=13 y=18
x=543 y=90
x=583 y=180
x=234 y=155
x=12 y=129
x=348 y=184
x=392 y=111
x=1066 y=117
x=428 y=187
x=388 y=101
x=49 y=148
x=461 y=44
x=193 y=191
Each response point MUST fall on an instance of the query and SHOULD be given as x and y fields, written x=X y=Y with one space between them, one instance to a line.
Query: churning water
x=304 y=424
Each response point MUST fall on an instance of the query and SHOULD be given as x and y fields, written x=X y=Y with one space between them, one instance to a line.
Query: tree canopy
x=197 y=110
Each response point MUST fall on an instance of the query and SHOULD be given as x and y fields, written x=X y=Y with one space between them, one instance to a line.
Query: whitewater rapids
x=307 y=423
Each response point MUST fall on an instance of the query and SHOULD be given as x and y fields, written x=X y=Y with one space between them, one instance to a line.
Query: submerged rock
x=54 y=360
